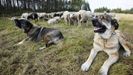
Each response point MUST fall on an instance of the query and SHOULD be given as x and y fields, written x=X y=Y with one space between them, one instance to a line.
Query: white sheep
x=70 y=17
x=25 y=15
x=54 y=20
x=83 y=16
x=65 y=16
x=41 y=15
x=73 y=18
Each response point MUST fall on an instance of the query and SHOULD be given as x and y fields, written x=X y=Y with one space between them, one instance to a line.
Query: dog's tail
x=61 y=36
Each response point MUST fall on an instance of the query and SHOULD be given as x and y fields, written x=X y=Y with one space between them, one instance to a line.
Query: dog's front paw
x=41 y=48
x=16 y=44
x=102 y=72
x=126 y=54
x=85 y=66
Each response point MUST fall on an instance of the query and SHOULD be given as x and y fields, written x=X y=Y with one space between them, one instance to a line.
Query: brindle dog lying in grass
x=35 y=33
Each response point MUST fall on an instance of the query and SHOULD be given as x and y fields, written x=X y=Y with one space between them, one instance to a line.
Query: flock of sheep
x=72 y=18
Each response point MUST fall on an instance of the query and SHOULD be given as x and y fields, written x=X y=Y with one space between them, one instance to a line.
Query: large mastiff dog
x=108 y=39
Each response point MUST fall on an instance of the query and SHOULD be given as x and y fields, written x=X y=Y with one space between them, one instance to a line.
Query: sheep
x=51 y=15
x=54 y=20
x=83 y=16
x=59 y=14
x=65 y=16
x=41 y=15
x=25 y=15
x=70 y=17
x=73 y=19
x=33 y=16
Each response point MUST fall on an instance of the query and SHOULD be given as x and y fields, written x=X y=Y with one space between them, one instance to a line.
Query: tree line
x=20 y=6
x=117 y=10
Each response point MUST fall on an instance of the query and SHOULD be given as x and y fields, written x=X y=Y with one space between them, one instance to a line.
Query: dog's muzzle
x=98 y=27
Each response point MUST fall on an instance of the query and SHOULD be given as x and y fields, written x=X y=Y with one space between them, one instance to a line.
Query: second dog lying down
x=35 y=33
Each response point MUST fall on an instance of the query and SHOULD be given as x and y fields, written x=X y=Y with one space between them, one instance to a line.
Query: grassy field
x=26 y=59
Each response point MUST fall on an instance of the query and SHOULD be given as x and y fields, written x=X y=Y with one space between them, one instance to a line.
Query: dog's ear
x=17 y=23
x=29 y=25
x=115 y=23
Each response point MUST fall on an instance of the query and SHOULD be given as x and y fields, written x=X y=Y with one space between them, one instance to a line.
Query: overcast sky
x=123 y=4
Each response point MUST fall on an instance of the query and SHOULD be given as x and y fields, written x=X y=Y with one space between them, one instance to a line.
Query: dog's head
x=23 y=24
x=104 y=22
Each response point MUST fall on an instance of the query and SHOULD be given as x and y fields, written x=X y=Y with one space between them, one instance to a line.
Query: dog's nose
x=94 y=20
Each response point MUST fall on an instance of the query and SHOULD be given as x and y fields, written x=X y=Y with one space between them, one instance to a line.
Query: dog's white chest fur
x=105 y=44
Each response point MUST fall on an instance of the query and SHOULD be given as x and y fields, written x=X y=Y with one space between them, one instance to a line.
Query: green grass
x=66 y=59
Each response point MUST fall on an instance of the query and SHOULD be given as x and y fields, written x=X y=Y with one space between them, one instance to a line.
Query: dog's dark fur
x=36 y=33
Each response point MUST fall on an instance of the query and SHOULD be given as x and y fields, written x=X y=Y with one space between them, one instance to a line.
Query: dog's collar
x=36 y=34
x=113 y=33
x=105 y=40
x=39 y=34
